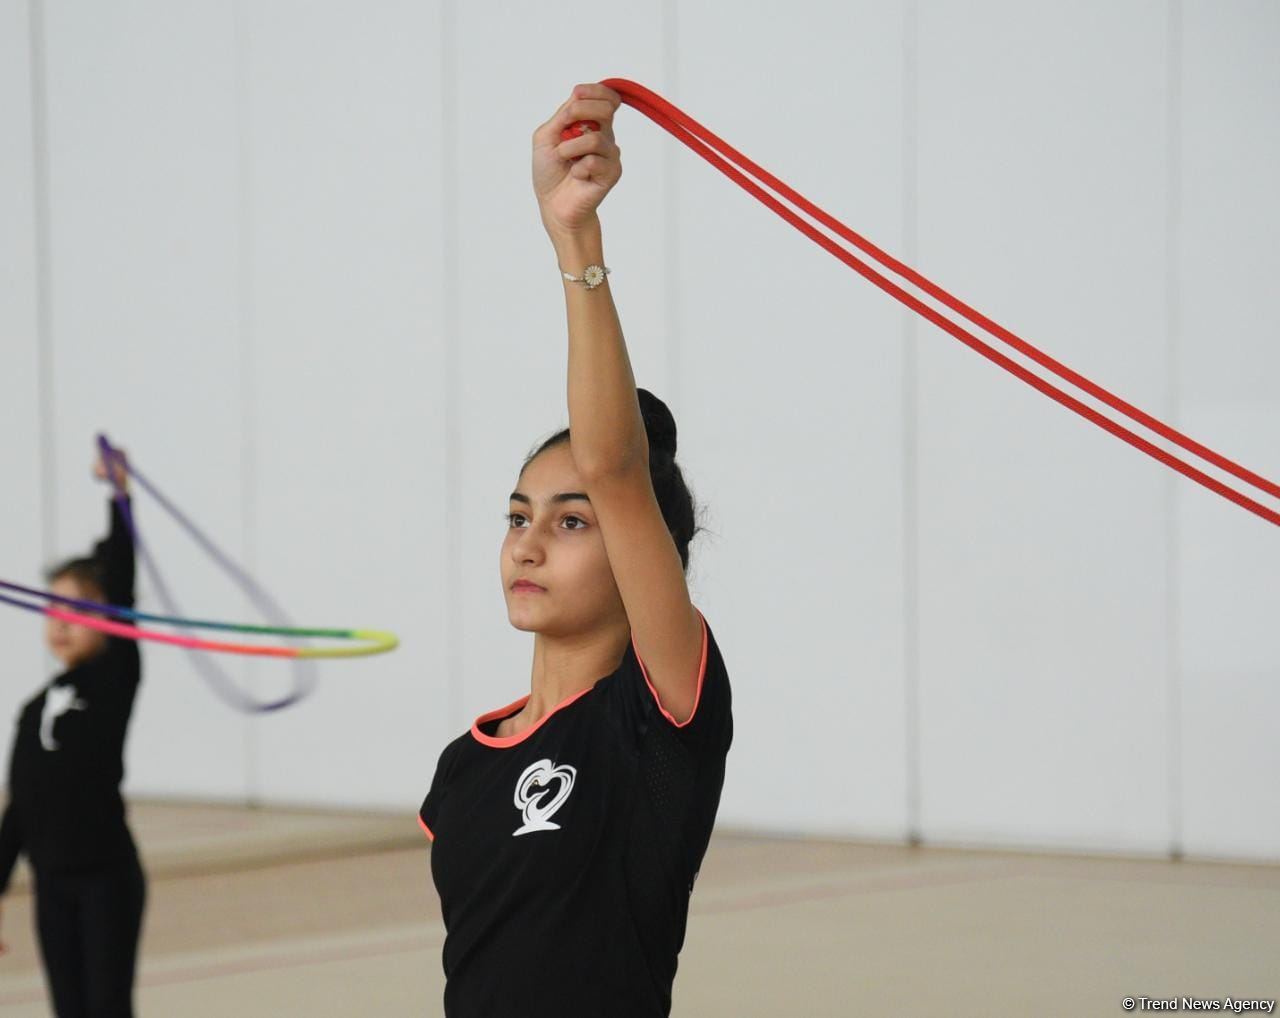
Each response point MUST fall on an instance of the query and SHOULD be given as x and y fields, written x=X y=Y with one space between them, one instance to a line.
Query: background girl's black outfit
x=67 y=816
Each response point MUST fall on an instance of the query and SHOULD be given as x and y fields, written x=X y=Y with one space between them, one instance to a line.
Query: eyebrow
x=564 y=496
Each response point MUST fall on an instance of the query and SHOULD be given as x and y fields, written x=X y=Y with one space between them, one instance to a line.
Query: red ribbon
x=723 y=157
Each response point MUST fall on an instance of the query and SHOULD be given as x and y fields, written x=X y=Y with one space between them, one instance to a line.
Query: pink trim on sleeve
x=702 y=674
x=425 y=829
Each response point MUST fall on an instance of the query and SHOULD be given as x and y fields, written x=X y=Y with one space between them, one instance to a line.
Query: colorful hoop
x=366 y=642
x=373 y=641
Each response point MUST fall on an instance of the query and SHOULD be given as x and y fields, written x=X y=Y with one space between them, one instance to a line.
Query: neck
x=566 y=665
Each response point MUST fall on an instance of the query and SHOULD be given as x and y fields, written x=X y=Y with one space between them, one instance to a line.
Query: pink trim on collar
x=507 y=741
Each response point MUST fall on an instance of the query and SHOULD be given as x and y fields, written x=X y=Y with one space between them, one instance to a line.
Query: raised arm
x=116 y=550
x=607 y=436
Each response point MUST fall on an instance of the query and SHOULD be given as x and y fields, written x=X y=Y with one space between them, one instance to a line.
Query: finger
x=573 y=109
x=545 y=133
x=607 y=176
x=585 y=128
x=596 y=168
x=594 y=90
x=588 y=144
x=601 y=102
x=586 y=109
x=578 y=129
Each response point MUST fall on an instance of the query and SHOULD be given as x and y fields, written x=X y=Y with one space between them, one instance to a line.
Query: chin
x=74 y=658
x=521 y=621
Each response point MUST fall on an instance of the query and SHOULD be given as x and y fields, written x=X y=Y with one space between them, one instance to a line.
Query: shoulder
x=449 y=755
x=117 y=669
x=35 y=704
x=638 y=704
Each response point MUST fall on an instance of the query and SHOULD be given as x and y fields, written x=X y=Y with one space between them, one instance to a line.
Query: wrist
x=578 y=248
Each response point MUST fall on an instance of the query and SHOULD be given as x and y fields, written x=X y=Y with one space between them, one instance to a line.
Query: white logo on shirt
x=57 y=701
x=537 y=799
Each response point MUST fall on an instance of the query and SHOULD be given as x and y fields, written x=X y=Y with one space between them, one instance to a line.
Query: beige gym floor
x=257 y=912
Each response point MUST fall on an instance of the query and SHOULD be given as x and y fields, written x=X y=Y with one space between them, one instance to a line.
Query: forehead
x=551 y=471
x=66 y=585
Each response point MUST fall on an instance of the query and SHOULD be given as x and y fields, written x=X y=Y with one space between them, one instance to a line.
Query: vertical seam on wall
x=44 y=280
x=1173 y=239
x=450 y=279
x=244 y=325
x=910 y=423
x=671 y=218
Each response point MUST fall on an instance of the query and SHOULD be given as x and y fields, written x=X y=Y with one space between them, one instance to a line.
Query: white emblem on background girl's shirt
x=541 y=790
x=57 y=701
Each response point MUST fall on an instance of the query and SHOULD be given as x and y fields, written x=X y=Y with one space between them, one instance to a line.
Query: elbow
x=594 y=467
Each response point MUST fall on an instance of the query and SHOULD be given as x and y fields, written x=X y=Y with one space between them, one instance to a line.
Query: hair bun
x=659 y=425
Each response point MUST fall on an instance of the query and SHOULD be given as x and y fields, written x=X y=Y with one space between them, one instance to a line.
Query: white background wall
x=289 y=256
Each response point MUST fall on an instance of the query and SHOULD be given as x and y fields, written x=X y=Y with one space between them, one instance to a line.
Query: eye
x=519 y=519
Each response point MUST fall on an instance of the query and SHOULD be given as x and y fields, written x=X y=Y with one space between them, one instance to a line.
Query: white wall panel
x=1042 y=539
x=22 y=528
x=790 y=384
x=343 y=157
x=143 y=238
x=1229 y=390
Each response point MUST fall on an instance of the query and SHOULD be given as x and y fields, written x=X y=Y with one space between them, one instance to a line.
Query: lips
x=526 y=587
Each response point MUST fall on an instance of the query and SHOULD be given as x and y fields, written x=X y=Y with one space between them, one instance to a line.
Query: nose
x=527 y=547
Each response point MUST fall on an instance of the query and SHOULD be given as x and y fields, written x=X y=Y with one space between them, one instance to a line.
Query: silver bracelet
x=592 y=276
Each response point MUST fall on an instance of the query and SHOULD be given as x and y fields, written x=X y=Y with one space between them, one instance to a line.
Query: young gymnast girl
x=568 y=827
x=65 y=811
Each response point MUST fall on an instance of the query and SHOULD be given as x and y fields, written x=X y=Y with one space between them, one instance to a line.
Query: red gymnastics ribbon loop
x=721 y=155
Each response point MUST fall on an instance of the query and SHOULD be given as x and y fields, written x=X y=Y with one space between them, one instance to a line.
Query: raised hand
x=119 y=475
x=571 y=178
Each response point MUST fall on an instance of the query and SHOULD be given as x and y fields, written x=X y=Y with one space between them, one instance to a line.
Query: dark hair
x=87 y=572
x=673 y=495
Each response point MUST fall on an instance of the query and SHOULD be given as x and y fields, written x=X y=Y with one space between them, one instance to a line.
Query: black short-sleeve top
x=565 y=855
